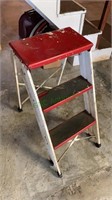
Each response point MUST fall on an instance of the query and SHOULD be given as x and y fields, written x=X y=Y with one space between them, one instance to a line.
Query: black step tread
x=68 y=6
x=64 y=92
x=71 y=128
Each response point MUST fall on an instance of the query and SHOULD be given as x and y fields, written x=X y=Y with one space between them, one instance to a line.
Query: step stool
x=44 y=49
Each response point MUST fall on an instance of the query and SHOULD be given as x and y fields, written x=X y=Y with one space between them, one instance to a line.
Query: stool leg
x=86 y=69
x=62 y=71
x=39 y=116
x=17 y=84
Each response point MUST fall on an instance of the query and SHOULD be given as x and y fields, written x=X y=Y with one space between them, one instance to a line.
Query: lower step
x=71 y=128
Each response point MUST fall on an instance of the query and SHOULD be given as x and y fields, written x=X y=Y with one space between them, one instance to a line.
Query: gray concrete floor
x=24 y=169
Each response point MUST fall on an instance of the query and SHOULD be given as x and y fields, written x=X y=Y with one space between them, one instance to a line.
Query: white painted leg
x=17 y=83
x=39 y=115
x=86 y=69
x=62 y=71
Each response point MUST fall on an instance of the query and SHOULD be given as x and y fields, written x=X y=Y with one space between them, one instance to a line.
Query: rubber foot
x=88 y=134
x=19 y=109
x=97 y=145
x=59 y=175
x=51 y=162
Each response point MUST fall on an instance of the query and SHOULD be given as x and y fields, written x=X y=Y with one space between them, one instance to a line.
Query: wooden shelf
x=64 y=93
x=89 y=28
x=69 y=6
x=71 y=128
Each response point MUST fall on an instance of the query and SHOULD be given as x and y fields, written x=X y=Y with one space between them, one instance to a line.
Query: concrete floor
x=24 y=170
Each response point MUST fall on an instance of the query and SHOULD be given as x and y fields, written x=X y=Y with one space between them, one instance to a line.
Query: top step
x=69 y=6
x=46 y=48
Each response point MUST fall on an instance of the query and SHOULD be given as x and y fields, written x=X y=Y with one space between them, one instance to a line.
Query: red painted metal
x=66 y=100
x=41 y=94
x=46 y=48
x=73 y=136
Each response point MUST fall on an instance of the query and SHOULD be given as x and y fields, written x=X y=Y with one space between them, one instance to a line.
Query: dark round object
x=97 y=145
x=51 y=162
x=19 y=109
x=59 y=175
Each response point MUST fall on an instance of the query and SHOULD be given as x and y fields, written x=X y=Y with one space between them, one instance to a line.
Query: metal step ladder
x=44 y=49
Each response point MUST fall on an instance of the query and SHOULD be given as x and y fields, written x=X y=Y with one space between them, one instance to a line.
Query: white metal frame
x=17 y=82
x=42 y=85
x=39 y=115
x=86 y=70
x=77 y=138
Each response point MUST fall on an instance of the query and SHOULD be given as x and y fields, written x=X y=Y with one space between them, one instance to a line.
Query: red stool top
x=46 y=48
